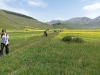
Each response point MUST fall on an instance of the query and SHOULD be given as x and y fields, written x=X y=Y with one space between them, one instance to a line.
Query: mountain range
x=79 y=22
x=13 y=20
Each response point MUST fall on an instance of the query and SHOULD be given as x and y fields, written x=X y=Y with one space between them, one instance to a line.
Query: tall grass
x=39 y=55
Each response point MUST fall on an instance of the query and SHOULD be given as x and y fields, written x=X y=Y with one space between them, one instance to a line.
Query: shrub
x=67 y=39
x=72 y=39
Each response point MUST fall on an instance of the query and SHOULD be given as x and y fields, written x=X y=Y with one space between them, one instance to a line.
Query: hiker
x=45 y=33
x=55 y=31
x=4 y=42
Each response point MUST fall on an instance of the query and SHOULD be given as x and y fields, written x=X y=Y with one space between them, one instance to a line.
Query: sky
x=47 y=10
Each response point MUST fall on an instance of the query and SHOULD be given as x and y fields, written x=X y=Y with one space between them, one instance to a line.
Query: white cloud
x=4 y=6
x=1 y=0
x=3 y=3
x=92 y=11
x=93 y=15
x=92 y=7
x=35 y=2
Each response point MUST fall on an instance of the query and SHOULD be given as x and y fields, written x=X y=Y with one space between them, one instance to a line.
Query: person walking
x=46 y=33
x=4 y=42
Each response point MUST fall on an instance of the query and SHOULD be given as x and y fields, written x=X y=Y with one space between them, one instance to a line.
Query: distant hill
x=13 y=20
x=54 y=21
x=78 y=22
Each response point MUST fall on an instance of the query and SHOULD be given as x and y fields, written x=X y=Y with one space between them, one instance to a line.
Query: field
x=33 y=54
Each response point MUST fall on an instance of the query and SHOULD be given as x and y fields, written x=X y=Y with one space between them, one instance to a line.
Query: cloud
x=4 y=6
x=92 y=11
x=35 y=2
x=92 y=7
x=93 y=15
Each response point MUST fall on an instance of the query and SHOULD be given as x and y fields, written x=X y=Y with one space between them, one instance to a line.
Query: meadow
x=33 y=54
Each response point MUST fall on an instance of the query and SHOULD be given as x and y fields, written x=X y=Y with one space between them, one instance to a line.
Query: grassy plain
x=33 y=54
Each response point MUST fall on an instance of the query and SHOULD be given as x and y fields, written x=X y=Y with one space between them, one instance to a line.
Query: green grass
x=33 y=54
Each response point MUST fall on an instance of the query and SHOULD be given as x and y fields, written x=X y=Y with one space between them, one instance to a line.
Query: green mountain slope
x=12 y=20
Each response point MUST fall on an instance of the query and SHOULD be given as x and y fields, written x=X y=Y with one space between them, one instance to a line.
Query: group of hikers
x=5 y=41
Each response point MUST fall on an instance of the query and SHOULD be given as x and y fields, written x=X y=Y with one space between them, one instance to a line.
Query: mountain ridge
x=81 y=22
x=13 y=20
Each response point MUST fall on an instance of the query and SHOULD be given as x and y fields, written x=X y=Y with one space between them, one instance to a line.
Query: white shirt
x=5 y=39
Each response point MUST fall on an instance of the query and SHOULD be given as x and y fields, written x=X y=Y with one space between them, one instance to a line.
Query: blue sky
x=47 y=10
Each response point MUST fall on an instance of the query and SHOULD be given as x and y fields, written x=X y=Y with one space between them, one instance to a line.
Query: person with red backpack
x=4 y=42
